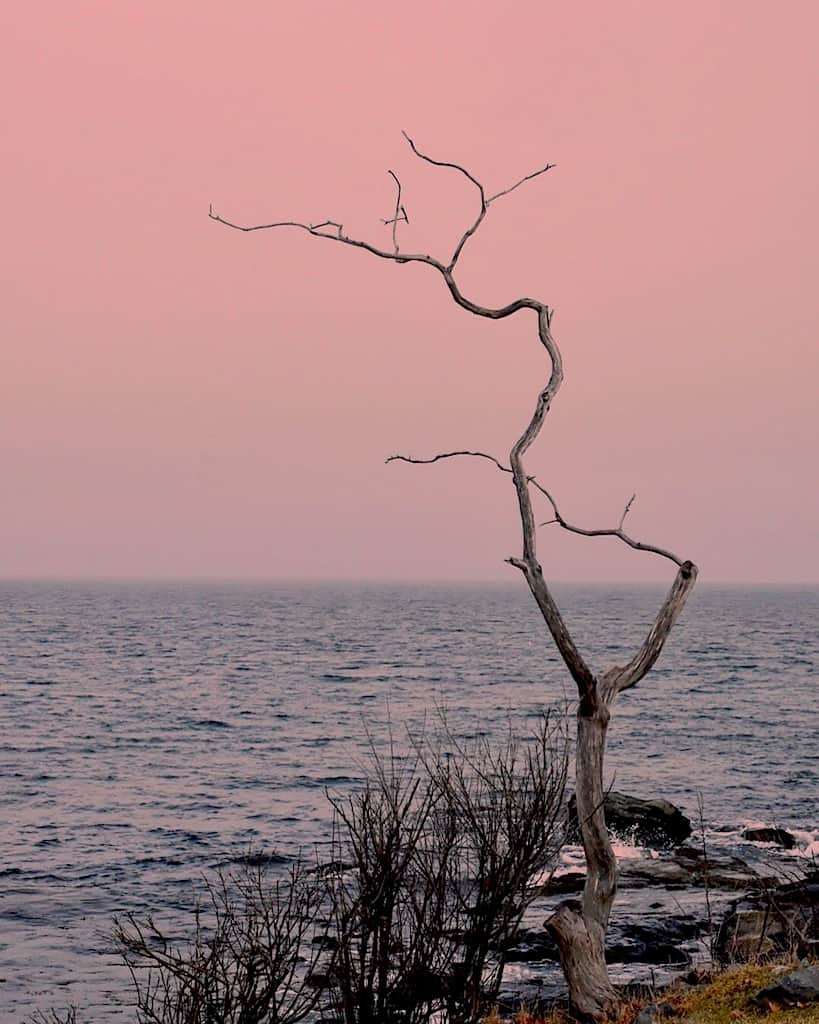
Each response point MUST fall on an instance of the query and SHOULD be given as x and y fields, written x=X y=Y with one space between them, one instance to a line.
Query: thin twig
x=446 y=163
x=528 y=177
x=400 y=212
x=626 y=510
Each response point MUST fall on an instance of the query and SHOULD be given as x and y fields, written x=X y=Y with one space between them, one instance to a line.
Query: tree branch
x=619 y=678
x=400 y=212
x=616 y=532
x=336 y=236
x=446 y=163
x=485 y=203
x=447 y=455
x=528 y=177
x=558 y=518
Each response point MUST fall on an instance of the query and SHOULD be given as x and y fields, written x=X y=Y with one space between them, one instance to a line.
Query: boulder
x=780 y=836
x=654 y=941
x=778 y=919
x=795 y=989
x=655 y=823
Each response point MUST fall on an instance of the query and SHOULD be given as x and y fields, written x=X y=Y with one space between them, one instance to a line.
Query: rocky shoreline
x=681 y=905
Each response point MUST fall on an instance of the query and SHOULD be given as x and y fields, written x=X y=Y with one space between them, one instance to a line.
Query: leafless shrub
x=443 y=847
x=246 y=963
x=411 y=917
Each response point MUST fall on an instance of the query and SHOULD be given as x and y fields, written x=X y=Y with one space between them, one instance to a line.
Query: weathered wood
x=580 y=929
x=668 y=614
x=583 y=958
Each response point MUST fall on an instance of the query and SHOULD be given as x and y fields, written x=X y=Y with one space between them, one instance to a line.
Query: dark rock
x=660 y=954
x=720 y=871
x=655 y=823
x=532 y=945
x=689 y=866
x=780 y=836
x=795 y=989
x=653 y=942
x=629 y=942
x=571 y=881
x=783 y=918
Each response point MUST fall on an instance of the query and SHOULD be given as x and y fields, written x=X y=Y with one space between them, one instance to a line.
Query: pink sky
x=177 y=399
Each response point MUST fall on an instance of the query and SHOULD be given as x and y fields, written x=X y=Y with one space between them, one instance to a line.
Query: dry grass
x=724 y=999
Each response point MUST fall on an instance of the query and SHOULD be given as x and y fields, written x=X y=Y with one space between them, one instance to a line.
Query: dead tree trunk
x=579 y=927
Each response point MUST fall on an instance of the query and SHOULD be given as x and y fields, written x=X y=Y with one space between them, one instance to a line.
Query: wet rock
x=655 y=823
x=721 y=871
x=796 y=989
x=533 y=945
x=777 y=919
x=570 y=881
x=653 y=942
x=659 y=954
x=689 y=866
x=780 y=836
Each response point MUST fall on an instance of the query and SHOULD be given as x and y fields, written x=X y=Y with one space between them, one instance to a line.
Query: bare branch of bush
x=248 y=959
x=52 y=1016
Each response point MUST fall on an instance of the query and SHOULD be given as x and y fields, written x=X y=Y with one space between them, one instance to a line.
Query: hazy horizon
x=272 y=581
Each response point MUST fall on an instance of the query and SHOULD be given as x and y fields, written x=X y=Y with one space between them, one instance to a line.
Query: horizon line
x=380 y=580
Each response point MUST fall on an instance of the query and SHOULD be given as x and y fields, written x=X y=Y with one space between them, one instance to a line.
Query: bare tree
x=579 y=928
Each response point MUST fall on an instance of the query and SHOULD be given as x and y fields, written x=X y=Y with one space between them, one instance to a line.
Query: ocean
x=152 y=732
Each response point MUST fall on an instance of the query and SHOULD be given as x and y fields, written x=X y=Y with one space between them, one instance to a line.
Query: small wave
x=172 y=862
x=258 y=859
x=807 y=843
x=625 y=850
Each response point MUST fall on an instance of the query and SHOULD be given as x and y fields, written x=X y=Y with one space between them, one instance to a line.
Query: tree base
x=582 y=954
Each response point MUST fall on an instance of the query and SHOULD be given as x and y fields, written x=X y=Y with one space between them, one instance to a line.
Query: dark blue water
x=153 y=732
